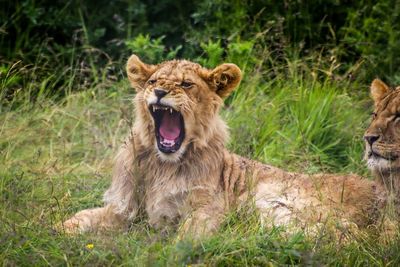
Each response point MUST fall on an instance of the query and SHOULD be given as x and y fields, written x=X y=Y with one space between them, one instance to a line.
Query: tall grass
x=301 y=123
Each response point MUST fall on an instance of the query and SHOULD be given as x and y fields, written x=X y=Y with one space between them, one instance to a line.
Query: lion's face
x=179 y=101
x=382 y=137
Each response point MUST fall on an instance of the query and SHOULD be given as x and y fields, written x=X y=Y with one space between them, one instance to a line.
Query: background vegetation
x=65 y=107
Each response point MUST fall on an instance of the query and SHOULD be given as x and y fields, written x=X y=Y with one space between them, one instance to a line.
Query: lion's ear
x=225 y=78
x=379 y=90
x=138 y=72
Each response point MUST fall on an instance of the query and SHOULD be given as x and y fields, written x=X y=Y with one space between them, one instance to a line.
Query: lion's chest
x=166 y=200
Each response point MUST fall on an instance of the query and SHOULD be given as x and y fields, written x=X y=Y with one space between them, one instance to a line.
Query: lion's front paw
x=79 y=223
x=194 y=228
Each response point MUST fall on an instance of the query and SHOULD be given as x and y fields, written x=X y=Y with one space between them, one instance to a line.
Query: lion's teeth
x=168 y=143
x=155 y=108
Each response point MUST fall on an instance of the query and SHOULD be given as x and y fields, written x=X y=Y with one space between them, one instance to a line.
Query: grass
x=56 y=159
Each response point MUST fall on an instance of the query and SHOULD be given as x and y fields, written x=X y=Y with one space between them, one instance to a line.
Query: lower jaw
x=170 y=157
x=167 y=150
x=373 y=155
x=382 y=165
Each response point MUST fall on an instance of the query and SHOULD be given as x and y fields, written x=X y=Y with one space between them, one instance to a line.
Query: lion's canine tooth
x=154 y=109
x=170 y=110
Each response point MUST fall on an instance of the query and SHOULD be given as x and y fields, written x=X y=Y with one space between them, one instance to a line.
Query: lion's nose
x=371 y=138
x=160 y=93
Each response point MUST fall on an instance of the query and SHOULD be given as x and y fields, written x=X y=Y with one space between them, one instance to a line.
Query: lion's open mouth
x=170 y=130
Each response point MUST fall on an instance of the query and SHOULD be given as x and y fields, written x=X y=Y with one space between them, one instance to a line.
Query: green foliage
x=239 y=52
x=9 y=77
x=60 y=38
x=151 y=50
x=228 y=19
x=213 y=51
x=373 y=32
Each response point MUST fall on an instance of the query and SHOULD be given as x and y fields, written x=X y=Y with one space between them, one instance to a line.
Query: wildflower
x=90 y=246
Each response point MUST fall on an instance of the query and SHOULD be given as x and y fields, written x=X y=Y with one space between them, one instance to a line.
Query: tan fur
x=202 y=181
x=378 y=90
x=382 y=152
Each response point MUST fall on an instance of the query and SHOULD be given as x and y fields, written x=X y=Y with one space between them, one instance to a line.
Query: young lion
x=175 y=167
x=382 y=139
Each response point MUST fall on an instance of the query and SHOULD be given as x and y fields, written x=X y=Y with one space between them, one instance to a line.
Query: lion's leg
x=201 y=222
x=93 y=220
x=207 y=214
x=119 y=198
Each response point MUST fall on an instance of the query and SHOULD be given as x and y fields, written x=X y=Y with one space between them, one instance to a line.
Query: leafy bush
x=372 y=32
x=97 y=36
x=151 y=50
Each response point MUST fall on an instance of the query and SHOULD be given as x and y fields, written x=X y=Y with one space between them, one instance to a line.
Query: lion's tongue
x=170 y=126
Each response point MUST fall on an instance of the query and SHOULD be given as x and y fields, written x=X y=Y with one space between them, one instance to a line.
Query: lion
x=175 y=170
x=382 y=140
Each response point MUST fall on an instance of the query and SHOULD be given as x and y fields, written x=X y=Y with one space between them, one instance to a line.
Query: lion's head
x=177 y=103
x=382 y=137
